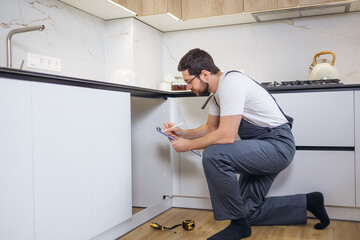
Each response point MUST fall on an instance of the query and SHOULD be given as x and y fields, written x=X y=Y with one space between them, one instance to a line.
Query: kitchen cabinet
x=330 y=172
x=313 y=2
x=183 y=9
x=16 y=165
x=111 y=159
x=82 y=160
x=190 y=180
x=210 y=8
x=62 y=159
x=209 y=13
x=357 y=146
x=152 y=7
x=73 y=164
x=320 y=118
x=260 y=5
x=151 y=165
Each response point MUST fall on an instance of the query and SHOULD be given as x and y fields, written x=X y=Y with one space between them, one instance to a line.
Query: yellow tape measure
x=186 y=224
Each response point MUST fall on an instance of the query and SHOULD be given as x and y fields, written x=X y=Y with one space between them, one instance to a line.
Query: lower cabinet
x=68 y=161
x=62 y=162
x=16 y=164
x=82 y=161
x=357 y=146
x=192 y=180
x=150 y=152
x=320 y=118
x=330 y=172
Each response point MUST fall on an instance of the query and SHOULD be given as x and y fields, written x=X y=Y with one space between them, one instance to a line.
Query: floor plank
x=207 y=226
x=137 y=209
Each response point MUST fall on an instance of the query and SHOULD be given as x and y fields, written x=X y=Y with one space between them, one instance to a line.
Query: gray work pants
x=258 y=161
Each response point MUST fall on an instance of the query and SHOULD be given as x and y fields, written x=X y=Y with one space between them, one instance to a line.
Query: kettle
x=324 y=70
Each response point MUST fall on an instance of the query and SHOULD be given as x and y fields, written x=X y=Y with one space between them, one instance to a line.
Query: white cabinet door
x=330 y=172
x=151 y=166
x=111 y=159
x=320 y=118
x=357 y=146
x=16 y=166
x=82 y=161
x=192 y=177
x=63 y=163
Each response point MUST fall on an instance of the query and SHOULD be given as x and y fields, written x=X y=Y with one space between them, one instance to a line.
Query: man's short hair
x=197 y=60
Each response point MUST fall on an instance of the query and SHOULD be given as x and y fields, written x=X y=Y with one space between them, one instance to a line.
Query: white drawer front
x=357 y=145
x=320 y=118
x=330 y=172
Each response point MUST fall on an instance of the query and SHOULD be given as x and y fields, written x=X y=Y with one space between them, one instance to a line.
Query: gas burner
x=300 y=82
x=271 y=84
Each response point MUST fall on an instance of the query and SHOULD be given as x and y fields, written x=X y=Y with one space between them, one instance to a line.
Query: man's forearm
x=196 y=133
x=214 y=137
x=209 y=134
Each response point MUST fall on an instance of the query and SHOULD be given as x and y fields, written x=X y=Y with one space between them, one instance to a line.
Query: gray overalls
x=260 y=155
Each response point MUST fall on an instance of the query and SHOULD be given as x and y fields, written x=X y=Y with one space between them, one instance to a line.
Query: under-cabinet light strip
x=173 y=16
x=126 y=9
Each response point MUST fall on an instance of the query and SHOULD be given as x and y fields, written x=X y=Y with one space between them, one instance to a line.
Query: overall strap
x=288 y=118
x=212 y=95
x=207 y=101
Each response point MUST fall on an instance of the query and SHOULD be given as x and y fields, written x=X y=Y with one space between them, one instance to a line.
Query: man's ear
x=205 y=75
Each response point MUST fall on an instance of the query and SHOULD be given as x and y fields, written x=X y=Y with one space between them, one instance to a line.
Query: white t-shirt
x=238 y=94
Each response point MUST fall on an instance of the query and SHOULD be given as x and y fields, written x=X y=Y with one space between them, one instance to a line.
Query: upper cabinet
x=104 y=9
x=261 y=5
x=173 y=15
x=209 y=8
x=152 y=7
x=313 y=2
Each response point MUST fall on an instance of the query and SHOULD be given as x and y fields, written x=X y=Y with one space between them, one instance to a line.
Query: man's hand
x=175 y=132
x=181 y=144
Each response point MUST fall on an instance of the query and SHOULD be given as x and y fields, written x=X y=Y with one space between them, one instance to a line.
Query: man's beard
x=203 y=91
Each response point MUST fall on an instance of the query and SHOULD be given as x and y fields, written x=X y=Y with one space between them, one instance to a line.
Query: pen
x=176 y=125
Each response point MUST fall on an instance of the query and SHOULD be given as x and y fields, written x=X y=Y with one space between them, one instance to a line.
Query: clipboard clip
x=170 y=137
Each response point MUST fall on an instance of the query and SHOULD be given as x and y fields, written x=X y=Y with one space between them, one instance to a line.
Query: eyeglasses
x=192 y=79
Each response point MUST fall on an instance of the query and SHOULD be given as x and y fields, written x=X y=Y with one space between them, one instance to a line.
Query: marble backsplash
x=75 y=37
x=274 y=51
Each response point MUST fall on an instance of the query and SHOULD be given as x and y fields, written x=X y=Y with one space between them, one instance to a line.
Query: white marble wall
x=71 y=35
x=119 y=46
x=148 y=59
x=89 y=47
x=134 y=46
x=273 y=51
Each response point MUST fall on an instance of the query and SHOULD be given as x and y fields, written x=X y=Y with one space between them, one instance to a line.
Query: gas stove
x=302 y=82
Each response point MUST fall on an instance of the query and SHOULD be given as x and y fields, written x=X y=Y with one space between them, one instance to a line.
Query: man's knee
x=210 y=156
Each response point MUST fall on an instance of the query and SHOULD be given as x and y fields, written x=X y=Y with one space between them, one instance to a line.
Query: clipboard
x=159 y=130
x=170 y=137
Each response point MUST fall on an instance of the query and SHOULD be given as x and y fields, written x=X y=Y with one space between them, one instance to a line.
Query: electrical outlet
x=43 y=62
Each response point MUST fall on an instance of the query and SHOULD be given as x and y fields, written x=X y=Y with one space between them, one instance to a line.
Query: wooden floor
x=136 y=210
x=207 y=226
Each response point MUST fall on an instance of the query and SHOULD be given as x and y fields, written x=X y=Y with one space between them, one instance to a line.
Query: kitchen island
x=76 y=152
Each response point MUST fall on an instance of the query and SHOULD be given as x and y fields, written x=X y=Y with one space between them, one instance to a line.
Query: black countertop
x=71 y=81
x=152 y=93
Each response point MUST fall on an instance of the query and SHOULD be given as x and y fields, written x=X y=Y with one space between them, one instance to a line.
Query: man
x=241 y=106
